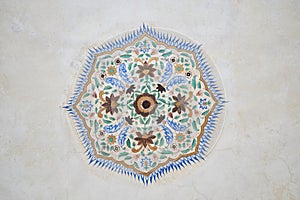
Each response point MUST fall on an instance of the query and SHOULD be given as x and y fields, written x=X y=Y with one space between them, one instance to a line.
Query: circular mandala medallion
x=146 y=104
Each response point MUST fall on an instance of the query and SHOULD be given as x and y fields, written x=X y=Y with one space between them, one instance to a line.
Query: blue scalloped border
x=170 y=40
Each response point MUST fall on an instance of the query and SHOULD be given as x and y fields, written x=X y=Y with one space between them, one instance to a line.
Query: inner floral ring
x=145 y=104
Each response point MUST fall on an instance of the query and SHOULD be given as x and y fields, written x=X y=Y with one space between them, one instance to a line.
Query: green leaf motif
x=194 y=82
x=97 y=82
x=129 y=66
x=166 y=152
x=125 y=56
x=199 y=85
x=136 y=165
x=108 y=87
x=153 y=44
x=97 y=145
x=104 y=153
x=194 y=126
x=123 y=154
x=198 y=121
x=128 y=143
x=107 y=56
x=162 y=100
x=185 y=151
x=97 y=64
x=194 y=143
x=185 y=54
x=147 y=121
x=193 y=63
x=159 y=72
x=106 y=121
x=141 y=120
x=184 y=120
x=162 y=141
x=112 y=118
x=96 y=125
x=158 y=135
x=205 y=113
x=153 y=164
x=206 y=93
x=161 y=65
x=128 y=158
x=137 y=44
x=150 y=153
x=84 y=114
x=167 y=54
x=195 y=98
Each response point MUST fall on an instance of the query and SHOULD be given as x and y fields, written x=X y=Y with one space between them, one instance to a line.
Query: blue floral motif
x=146 y=162
x=114 y=127
x=202 y=103
x=176 y=126
x=168 y=73
x=115 y=82
x=122 y=136
x=87 y=106
x=144 y=47
x=176 y=80
x=168 y=134
x=123 y=74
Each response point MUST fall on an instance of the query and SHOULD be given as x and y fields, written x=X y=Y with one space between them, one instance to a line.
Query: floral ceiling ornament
x=146 y=104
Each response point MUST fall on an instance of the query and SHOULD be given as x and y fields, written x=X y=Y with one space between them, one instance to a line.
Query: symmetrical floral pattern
x=144 y=106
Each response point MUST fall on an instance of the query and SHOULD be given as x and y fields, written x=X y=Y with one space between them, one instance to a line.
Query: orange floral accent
x=111 y=139
x=111 y=70
x=180 y=137
x=179 y=68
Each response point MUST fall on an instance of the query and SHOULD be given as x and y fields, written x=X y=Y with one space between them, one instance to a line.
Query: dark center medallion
x=145 y=104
